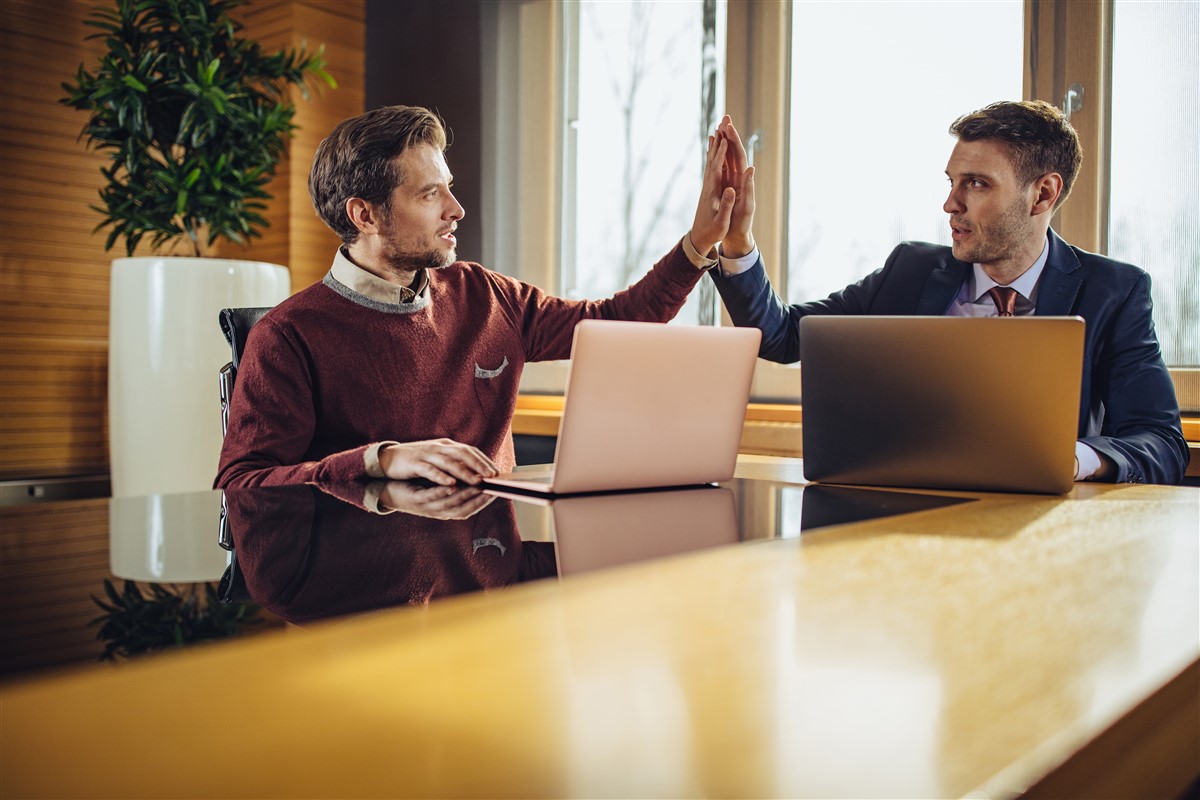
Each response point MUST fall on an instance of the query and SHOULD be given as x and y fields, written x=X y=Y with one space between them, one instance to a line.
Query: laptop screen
x=986 y=404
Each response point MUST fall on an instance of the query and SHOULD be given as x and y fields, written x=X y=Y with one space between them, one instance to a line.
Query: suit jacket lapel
x=941 y=287
x=1061 y=280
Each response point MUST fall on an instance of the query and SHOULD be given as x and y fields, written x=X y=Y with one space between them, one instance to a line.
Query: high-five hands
x=739 y=241
x=725 y=210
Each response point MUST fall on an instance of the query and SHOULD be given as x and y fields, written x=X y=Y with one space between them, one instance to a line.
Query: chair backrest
x=235 y=324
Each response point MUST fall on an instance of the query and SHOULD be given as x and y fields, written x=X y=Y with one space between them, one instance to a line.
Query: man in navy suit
x=1012 y=166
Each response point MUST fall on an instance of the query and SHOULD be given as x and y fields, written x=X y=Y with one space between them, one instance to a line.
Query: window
x=1154 y=219
x=849 y=104
x=871 y=102
x=642 y=90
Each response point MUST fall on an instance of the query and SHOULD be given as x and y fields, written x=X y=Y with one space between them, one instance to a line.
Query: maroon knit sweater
x=328 y=372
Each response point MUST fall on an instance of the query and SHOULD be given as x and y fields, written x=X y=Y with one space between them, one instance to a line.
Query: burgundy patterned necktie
x=1005 y=298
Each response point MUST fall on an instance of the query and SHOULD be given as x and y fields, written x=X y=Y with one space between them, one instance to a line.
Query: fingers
x=459 y=462
x=442 y=461
x=747 y=180
x=725 y=211
x=716 y=161
x=449 y=503
x=736 y=159
x=437 y=502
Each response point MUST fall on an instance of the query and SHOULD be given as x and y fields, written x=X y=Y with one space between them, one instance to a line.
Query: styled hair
x=358 y=159
x=1038 y=135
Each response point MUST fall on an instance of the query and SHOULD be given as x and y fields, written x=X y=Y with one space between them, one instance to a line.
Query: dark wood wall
x=54 y=270
x=427 y=53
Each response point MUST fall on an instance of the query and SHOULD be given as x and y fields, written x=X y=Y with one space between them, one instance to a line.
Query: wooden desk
x=986 y=649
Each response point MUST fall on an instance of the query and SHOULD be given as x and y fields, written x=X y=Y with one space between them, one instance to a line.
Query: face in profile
x=990 y=209
x=418 y=229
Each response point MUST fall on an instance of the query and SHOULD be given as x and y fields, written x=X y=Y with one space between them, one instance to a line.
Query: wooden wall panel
x=341 y=27
x=52 y=565
x=308 y=246
x=54 y=270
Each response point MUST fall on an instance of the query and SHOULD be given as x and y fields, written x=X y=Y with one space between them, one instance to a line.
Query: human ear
x=362 y=215
x=1046 y=191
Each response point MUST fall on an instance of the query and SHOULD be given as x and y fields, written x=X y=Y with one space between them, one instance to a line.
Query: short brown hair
x=358 y=160
x=1038 y=135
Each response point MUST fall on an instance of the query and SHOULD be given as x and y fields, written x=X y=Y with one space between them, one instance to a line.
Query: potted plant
x=194 y=118
x=136 y=622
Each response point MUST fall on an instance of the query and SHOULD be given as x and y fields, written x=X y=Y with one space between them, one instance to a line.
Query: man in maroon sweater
x=404 y=362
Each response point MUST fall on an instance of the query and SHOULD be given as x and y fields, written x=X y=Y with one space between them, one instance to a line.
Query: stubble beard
x=403 y=260
x=406 y=261
x=1004 y=238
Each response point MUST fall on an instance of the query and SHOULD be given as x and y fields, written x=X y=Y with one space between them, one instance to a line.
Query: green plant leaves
x=194 y=118
x=134 y=623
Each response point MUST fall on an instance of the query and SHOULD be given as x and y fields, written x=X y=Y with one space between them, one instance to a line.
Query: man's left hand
x=715 y=208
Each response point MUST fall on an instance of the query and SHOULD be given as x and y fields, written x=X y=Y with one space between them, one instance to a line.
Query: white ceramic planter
x=166 y=539
x=165 y=349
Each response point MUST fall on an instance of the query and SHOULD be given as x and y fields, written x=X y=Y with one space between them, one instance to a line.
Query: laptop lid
x=986 y=404
x=649 y=405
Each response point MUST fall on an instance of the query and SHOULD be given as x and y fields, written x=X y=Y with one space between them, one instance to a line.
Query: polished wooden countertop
x=982 y=649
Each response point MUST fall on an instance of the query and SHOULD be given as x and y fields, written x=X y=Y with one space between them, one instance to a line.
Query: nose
x=454 y=209
x=953 y=205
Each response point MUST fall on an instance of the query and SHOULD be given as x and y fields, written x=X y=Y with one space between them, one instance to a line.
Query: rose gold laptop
x=987 y=404
x=647 y=405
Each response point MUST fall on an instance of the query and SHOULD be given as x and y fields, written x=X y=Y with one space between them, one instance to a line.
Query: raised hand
x=739 y=240
x=715 y=207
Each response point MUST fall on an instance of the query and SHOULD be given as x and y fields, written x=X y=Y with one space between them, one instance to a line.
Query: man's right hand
x=739 y=241
x=443 y=461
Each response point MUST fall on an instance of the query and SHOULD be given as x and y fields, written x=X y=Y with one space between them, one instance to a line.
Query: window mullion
x=1070 y=44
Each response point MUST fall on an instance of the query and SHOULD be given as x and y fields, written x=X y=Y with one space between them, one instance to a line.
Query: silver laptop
x=986 y=404
x=647 y=405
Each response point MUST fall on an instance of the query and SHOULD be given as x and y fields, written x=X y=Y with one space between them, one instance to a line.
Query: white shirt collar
x=1026 y=285
x=357 y=279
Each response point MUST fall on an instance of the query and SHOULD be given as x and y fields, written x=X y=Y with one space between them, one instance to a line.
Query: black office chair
x=235 y=324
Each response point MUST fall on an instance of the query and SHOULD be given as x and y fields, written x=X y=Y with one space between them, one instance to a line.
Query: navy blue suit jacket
x=1127 y=407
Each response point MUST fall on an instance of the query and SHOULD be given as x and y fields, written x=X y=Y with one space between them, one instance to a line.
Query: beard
x=408 y=260
x=1002 y=238
x=399 y=257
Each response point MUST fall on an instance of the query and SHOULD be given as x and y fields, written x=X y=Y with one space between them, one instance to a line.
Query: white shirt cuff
x=1088 y=461
x=699 y=261
x=736 y=266
x=371 y=459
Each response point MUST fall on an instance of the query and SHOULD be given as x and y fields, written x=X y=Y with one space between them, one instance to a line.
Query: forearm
x=752 y=303
x=548 y=323
x=243 y=468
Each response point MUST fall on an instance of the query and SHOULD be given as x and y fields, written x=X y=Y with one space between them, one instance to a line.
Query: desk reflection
x=304 y=553
x=310 y=552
